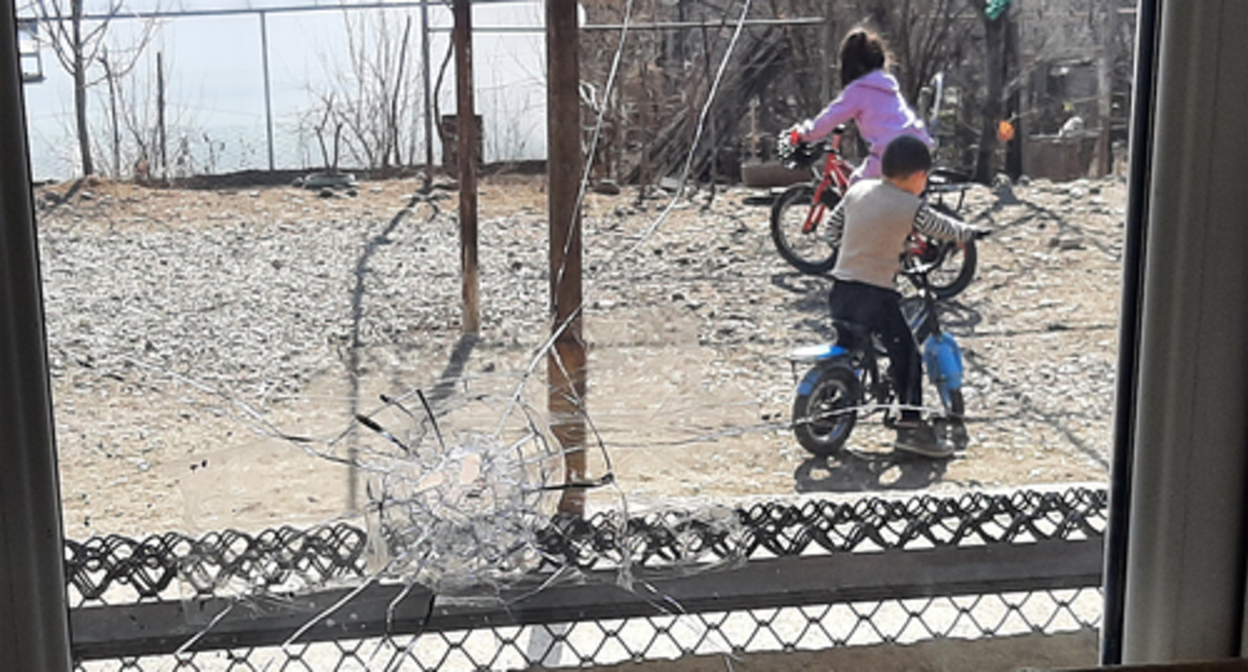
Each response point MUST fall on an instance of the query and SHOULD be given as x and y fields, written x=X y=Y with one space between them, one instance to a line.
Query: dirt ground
x=210 y=349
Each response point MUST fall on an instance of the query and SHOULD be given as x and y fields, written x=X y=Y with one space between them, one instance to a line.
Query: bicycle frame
x=837 y=171
x=835 y=175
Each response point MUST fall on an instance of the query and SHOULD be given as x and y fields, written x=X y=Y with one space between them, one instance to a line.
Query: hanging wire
x=697 y=137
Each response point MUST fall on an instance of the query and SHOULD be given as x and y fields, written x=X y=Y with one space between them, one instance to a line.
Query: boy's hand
x=982 y=232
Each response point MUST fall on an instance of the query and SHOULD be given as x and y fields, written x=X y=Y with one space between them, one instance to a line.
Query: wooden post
x=1105 y=90
x=112 y=111
x=161 y=139
x=827 y=56
x=466 y=130
x=565 y=364
x=1014 y=147
x=428 y=86
x=994 y=66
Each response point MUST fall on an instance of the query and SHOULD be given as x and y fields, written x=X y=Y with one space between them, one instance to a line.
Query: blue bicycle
x=844 y=378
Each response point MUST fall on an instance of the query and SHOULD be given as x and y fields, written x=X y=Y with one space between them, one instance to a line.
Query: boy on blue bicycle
x=870 y=227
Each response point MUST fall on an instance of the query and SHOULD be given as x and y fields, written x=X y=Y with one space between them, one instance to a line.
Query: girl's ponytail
x=862 y=51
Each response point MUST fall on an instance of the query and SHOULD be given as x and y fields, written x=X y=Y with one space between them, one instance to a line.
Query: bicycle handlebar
x=799 y=154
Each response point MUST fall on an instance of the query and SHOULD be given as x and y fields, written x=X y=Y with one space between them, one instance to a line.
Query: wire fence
x=771 y=577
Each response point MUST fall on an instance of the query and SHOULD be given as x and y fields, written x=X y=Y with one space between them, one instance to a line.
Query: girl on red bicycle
x=871 y=97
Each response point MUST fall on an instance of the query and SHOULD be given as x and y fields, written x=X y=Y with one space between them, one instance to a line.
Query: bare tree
x=370 y=102
x=782 y=73
x=78 y=40
x=928 y=38
x=138 y=128
x=330 y=122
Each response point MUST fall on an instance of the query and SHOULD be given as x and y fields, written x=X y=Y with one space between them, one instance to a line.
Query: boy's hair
x=904 y=156
x=862 y=51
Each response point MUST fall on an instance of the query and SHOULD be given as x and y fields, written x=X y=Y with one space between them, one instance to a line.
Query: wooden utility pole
x=112 y=111
x=994 y=67
x=565 y=364
x=1105 y=89
x=828 y=56
x=466 y=130
x=162 y=141
x=1012 y=78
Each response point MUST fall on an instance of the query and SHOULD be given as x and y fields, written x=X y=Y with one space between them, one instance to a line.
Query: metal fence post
x=34 y=621
x=268 y=89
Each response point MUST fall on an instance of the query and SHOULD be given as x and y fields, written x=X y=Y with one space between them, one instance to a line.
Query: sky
x=215 y=83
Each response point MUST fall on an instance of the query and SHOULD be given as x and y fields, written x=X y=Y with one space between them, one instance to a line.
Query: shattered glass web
x=456 y=512
x=466 y=510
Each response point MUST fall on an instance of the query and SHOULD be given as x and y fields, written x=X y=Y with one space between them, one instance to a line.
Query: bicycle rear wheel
x=824 y=410
x=809 y=251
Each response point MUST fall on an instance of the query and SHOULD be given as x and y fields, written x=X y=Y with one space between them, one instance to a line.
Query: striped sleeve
x=836 y=225
x=939 y=225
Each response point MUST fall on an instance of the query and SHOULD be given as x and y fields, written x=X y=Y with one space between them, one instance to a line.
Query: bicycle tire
x=955 y=272
x=951 y=271
x=823 y=415
x=810 y=253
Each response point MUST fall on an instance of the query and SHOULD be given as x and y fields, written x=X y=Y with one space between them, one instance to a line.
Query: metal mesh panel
x=116 y=571
x=788 y=629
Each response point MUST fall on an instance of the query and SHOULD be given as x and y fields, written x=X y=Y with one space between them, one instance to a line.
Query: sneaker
x=908 y=423
x=921 y=440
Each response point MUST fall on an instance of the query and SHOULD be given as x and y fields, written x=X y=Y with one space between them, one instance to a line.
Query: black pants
x=879 y=310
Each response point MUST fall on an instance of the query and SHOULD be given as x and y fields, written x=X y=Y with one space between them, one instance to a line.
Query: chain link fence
x=770 y=577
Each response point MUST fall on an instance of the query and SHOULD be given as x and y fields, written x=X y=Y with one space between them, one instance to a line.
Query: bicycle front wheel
x=955 y=270
x=802 y=243
x=950 y=266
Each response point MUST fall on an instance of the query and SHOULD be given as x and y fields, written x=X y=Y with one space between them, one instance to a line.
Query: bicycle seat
x=850 y=335
x=942 y=179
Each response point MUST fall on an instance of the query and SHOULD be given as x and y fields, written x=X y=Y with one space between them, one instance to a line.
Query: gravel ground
x=190 y=330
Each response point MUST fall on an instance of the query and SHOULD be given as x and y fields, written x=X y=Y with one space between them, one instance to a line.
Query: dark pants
x=879 y=310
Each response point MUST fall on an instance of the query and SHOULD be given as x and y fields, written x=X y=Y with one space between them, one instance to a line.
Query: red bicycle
x=799 y=213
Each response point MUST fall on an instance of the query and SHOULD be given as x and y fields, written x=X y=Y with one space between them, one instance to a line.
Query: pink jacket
x=875 y=103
